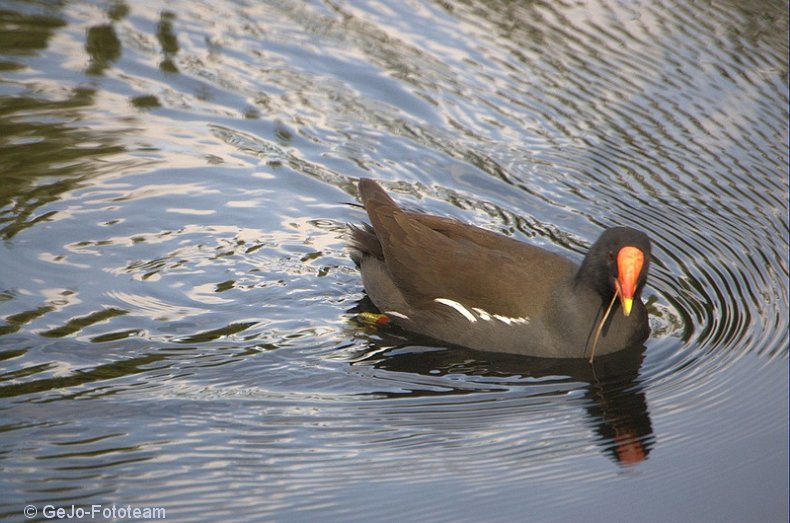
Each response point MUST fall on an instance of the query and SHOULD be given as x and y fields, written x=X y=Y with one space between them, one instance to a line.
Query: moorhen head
x=463 y=285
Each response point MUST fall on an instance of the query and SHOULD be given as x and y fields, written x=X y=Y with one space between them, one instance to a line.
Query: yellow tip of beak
x=627 y=304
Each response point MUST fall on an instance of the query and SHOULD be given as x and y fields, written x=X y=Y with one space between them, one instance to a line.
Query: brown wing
x=431 y=257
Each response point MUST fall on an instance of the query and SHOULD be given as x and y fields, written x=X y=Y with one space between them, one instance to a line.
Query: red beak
x=629 y=265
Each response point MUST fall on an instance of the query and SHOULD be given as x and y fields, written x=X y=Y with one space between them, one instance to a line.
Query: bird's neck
x=594 y=277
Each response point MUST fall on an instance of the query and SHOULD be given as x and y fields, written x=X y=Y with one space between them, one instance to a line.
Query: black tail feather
x=363 y=243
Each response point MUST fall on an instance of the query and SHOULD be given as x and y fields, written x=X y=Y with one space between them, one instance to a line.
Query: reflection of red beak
x=629 y=264
x=630 y=450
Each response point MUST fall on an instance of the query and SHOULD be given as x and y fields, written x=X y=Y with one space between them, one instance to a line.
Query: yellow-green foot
x=372 y=318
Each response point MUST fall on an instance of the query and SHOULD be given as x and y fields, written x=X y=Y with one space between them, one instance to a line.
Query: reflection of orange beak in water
x=630 y=450
x=629 y=265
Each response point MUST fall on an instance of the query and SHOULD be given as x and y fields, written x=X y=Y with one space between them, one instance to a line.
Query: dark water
x=176 y=305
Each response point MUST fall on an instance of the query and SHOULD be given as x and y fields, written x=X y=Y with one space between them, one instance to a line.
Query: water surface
x=177 y=306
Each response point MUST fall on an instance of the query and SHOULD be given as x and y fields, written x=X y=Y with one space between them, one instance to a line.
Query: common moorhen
x=467 y=286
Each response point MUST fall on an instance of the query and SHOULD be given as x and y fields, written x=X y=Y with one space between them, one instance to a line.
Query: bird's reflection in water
x=613 y=396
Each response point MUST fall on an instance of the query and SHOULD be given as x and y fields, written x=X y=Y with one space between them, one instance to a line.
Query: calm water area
x=177 y=305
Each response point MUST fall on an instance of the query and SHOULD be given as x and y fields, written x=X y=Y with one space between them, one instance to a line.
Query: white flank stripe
x=457 y=306
x=483 y=314
x=396 y=314
x=507 y=320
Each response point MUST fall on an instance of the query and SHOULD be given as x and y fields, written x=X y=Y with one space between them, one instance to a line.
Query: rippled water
x=177 y=308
